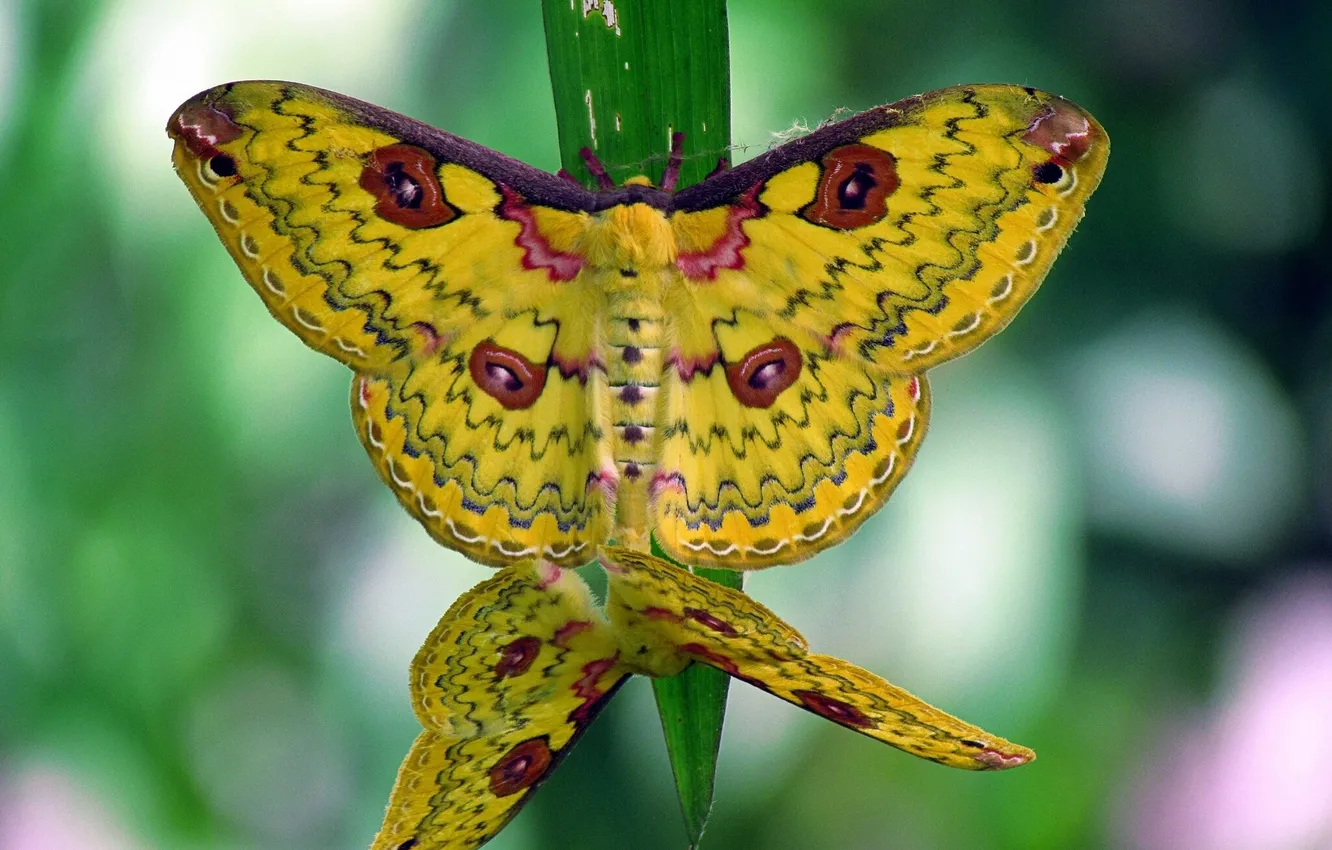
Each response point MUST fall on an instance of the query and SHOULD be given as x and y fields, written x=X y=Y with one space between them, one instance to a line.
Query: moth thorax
x=631 y=237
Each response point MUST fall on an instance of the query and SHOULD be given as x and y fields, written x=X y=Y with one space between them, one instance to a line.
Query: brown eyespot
x=764 y=372
x=506 y=376
x=834 y=709
x=406 y=188
x=854 y=188
x=517 y=656
x=521 y=767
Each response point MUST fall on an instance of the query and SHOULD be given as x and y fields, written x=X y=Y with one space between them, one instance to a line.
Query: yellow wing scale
x=747 y=488
x=790 y=322
x=521 y=664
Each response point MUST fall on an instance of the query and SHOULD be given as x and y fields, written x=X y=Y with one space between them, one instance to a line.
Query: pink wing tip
x=1062 y=129
x=201 y=126
x=996 y=760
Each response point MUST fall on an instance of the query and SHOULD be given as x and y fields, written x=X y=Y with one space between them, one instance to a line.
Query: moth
x=736 y=369
x=522 y=663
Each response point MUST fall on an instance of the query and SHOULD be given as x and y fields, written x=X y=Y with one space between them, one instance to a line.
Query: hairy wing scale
x=495 y=485
x=968 y=237
x=744 y=487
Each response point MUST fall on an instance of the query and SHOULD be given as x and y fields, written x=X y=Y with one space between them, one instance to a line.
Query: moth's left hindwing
x=443 y=273
x=504 y=685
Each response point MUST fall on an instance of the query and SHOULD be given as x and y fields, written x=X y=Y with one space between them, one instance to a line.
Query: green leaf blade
x=692 y=706
x=625 y=76
x=622 y=90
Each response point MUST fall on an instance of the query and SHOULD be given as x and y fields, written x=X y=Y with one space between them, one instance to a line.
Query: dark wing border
x=727 y=186
x=536 y=186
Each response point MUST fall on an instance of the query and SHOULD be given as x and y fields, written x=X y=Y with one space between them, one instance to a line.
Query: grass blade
x=626 y=75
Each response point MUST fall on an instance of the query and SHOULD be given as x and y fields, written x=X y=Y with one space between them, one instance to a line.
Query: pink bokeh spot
x=1256 y=773
x=43 y=807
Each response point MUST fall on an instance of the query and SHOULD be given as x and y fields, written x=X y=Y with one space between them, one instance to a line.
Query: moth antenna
x=722 y=165
x=567 y=176
x=671 y=176
x=598 y=170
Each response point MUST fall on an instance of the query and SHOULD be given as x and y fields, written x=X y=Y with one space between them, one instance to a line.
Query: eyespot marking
x=517 y=656
x=406 y=188
x=1048 y=172
x=506 y=376
x=521 y=767
x=834 y=709
x=764 y=372
x=854 y=187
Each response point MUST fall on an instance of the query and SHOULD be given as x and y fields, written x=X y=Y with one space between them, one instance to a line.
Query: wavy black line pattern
x=961 y=233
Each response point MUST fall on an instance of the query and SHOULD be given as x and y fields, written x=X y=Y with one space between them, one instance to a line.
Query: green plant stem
x=626 y=75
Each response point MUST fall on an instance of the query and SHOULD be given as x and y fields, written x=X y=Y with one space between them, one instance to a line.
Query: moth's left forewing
x=658 y=604
x=504 y=685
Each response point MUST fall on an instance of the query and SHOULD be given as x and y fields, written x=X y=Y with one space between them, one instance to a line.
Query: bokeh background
x=1116 y=546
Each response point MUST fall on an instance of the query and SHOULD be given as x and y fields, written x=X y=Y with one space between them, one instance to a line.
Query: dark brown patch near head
x=406 y=188
x=853 y=191
x=764 y=372
x=506 y=376
x=521 y=767
x=517 y=656
x=833 y=709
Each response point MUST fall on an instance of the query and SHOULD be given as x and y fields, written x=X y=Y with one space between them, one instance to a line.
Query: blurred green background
x=1116 y=546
